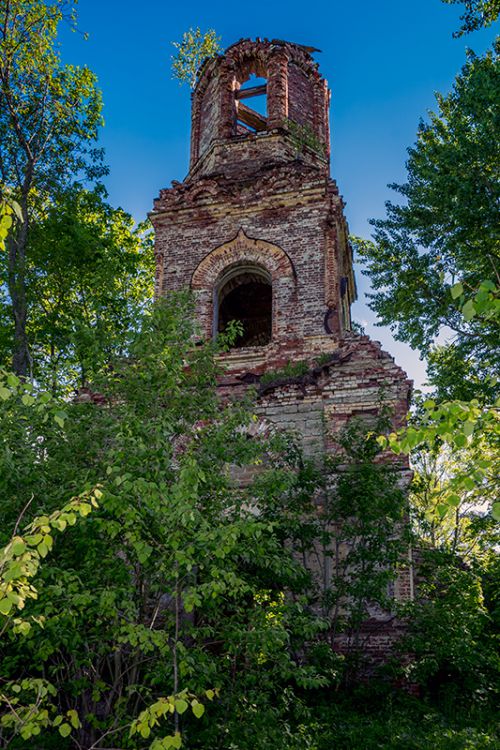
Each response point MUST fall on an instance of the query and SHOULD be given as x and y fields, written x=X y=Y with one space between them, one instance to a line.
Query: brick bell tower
x=257 y=231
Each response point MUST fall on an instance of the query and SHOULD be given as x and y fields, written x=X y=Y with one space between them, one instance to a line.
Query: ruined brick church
x=257 y=231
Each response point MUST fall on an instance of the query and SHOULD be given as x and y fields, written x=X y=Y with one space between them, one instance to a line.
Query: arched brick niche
x=260 y=262
x=294 y=90
x=244 y=293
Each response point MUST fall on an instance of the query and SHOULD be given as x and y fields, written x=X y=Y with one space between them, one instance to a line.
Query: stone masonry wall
x=356 y=379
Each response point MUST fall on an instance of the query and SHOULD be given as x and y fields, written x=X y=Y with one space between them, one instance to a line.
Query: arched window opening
x=245 y=295
x=251 y=119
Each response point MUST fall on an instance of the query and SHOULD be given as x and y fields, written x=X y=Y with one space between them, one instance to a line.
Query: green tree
x=450 y=515
x=49 y=115
x=192 y=51
x=434 y=268
x=446 y=231
x=454 y=622
x=478 y=13
x=454 y=655
x=361 y=538
x=89 y=274
x=175 y=585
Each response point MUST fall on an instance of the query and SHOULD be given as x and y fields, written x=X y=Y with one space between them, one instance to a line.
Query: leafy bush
x=290 y=370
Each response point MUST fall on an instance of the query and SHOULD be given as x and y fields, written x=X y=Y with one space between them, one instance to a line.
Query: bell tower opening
x=251 y=105
x=245 y=295
x=264 y=92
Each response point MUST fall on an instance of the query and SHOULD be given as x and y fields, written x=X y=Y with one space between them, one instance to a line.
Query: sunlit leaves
x=20 y=558
x=460 y=424
x=456 y=424
x=18 y=391
x=89 y=276
x=484 y=303
x=194 y=48
x=151 y=717
x=9 y=211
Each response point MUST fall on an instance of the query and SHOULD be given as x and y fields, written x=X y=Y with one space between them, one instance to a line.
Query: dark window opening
x=247 y=298
x=251 y=119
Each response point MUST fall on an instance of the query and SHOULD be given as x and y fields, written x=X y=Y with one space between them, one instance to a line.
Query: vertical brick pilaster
x=227 y=83
x=277 y=89
x=331 y=272
x=326 y=116
x=159 y=266
x=321 y=124
x=195 y=128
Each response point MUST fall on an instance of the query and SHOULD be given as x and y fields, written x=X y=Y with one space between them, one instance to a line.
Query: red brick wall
x=209 y=115
x=300 y=96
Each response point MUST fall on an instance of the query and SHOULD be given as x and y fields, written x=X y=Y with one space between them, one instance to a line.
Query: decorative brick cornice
x=270 y=181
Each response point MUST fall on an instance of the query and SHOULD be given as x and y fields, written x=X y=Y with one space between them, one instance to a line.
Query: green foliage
x=174 y=704
x=450 y=515
x=432 y=264
x=176 y=611
x=30 y=710
x=51 y=112
x=192 y=51
x=290 y=370
x=304 y=136
x=324 y=358
x=457 y=425
x=453 y=655
x=20 y=559
x=478 y=14
x=446 y=232
x=375 y=717
x=49 y=120
x=175 y=583
x=9 y=210
x=89 y=273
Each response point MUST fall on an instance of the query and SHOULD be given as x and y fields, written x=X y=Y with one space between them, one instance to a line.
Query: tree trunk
x=16 y=243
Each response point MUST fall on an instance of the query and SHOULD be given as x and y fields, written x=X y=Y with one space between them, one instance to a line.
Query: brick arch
x=203 y=189
x=242 y=249
x=262 y=52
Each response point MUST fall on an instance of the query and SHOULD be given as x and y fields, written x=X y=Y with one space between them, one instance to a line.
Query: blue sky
x=383 y=60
